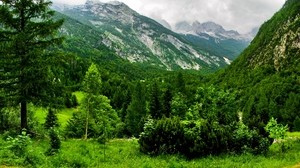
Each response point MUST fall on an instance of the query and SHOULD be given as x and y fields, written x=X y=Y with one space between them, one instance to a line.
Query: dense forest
x=237 y=110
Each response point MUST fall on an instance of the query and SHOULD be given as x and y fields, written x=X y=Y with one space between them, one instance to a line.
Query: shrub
x=199 y=138
x=204 y=138
x=18 y=145
x=54 y=142
x=277 y=131
x=164 y=136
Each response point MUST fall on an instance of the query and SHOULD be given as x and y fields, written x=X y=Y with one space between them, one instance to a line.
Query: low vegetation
x=83 y=114
x=125 y=153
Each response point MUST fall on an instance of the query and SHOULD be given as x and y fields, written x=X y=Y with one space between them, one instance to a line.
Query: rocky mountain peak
x=211 y=29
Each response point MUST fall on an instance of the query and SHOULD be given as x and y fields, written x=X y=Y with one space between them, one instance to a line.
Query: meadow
x=124 y=153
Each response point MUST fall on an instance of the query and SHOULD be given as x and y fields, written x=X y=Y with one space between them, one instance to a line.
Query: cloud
x=241 y=15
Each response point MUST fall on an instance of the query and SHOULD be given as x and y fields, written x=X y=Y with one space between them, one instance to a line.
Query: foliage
x=19 y=144
x=167 y=102
x=164 y=136
x=155 y=102
x=51 y=120
x=27 y=30
x=75 y=127
x=125 y=153
x=102 y=122
x=296 y=124
x=215 y=104
x=92 y=88
x=277 y=132
x=55 y=142
x=136 y=111
x=179 y=106
x=247 y=140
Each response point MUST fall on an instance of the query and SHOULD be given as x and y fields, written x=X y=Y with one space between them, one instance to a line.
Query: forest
x=61 y=109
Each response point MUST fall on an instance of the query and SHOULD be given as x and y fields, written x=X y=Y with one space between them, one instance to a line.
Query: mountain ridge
x=137 y=38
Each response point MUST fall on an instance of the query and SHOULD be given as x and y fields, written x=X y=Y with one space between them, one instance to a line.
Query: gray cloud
x=241 y=15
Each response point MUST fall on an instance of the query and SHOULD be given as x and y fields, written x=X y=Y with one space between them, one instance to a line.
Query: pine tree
x=55 y=142
x=26 y=31
x=155 y=106
x=136 y=111
x=51 y=120
x=167 y=102
x=180 y=83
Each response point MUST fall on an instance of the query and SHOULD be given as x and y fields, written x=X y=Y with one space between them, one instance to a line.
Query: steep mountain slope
x=140 y=39
x=277 y=43
x=213 y=38
x=267 y=73
x=83 y=41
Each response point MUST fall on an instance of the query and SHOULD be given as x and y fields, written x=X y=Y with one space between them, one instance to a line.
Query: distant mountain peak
x=211 y=29
x=92 y=1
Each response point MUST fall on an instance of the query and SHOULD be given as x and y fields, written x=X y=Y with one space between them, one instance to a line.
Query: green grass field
x=123 y=153
x=63 y=115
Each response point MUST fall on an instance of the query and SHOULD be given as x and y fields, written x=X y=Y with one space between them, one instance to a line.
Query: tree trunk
x=24 y=124
x=86 y=126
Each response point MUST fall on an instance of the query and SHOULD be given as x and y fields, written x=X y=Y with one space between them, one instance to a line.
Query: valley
x=100 y=85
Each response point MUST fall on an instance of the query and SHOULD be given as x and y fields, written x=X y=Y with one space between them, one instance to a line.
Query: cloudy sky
x=240 y=15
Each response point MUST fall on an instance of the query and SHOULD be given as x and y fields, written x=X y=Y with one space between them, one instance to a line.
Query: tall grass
x=123 y=153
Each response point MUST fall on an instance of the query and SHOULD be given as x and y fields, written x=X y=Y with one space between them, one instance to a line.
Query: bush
x=18 y=145
x=164 y=136
x=54 y=142
x=199 y=138
x=203 y=138
x=277 y=131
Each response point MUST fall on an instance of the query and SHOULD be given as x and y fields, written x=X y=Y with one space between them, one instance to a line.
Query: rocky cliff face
x=137 y=38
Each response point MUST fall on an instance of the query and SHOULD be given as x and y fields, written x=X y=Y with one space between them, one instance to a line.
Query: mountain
x=139 y=39
x=277 y=44
x=267 y=73
x=208 y=28
x=213 y=38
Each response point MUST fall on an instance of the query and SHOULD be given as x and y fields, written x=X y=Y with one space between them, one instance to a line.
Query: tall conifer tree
x=27 y=30
x=155 y=105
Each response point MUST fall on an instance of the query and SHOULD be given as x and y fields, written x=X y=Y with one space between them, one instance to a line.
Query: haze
x=240 y=15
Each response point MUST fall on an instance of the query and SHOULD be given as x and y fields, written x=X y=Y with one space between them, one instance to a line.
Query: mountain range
x=142 y=40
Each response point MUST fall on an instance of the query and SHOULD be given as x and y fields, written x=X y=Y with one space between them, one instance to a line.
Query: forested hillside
x=67 y=100
x=267 y=72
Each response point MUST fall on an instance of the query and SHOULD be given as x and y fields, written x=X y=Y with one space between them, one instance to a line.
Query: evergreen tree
x=54 y=142
x=26 y=31
x=180 y=83
x=167 y=102
x=179 y=105
x=91 y=87
x=155 y=105
x=296 y=124
x=51 y=120
x=136 y=111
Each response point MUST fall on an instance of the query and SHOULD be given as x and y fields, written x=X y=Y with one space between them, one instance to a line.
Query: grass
x=63 y=115
x=123 y=153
